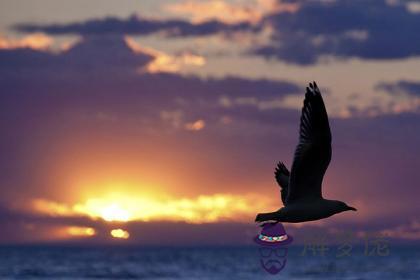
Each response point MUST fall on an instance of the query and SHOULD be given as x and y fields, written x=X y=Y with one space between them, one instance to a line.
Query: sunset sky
x=161 y=122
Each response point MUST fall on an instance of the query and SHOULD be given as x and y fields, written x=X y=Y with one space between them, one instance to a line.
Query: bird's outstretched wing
x=313 y=152
x=282 y=177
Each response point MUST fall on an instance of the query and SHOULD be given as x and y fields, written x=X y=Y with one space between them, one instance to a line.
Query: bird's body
x=301 y=189
x=303 y=211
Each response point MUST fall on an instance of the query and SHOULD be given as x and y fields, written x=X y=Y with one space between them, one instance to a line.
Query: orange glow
x=195 y=126
x=36 y=41
x=163 y=62
x=107 y=210
x=200 y=11
x=115 y=213
x=203 y=209
x=217 y=9
x=120 y=233
x=51 y=208
x=81 y=231
x=64 y=232
x=167 y=63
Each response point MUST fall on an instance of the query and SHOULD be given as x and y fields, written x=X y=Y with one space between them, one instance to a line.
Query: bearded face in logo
x=273 y=241
x=273 y=260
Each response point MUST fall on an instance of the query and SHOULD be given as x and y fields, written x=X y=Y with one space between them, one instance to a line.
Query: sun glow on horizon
x=202 y=209
x=120 y=234
x=114 y=212
x=81 y=231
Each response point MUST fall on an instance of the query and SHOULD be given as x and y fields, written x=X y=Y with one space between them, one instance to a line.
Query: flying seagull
x=301 y=189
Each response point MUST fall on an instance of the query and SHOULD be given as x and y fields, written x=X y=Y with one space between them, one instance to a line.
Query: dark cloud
x=136 y=26
x=369 y=30
x=344 y=28
x=405 y=87
x=105 y=66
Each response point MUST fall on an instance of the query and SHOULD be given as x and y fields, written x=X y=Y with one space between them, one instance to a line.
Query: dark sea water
x=55 y=262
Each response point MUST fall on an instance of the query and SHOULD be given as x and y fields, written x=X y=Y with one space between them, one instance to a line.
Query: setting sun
x=115 y=213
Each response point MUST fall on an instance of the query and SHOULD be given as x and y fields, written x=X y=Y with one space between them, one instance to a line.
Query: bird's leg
x=264 y=217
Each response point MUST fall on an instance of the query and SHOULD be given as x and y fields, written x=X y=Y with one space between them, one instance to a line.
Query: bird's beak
x=352 y=208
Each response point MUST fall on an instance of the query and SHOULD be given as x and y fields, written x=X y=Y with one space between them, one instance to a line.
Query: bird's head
x=344 y=207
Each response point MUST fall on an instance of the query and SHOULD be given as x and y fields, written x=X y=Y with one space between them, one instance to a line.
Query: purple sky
x=169 y=104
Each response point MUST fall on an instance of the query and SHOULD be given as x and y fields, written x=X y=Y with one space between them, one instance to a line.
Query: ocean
x=64 y=262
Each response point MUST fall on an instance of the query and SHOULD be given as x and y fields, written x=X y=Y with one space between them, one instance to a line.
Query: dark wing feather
x=313 y=152
x=282 y=177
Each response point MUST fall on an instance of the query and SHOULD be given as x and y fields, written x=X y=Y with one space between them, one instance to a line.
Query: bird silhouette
x=301 y=188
